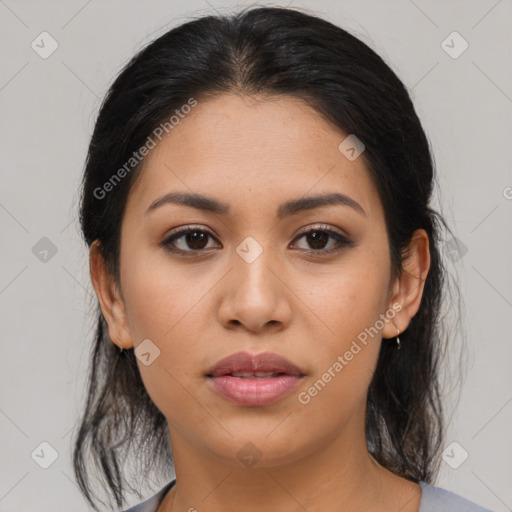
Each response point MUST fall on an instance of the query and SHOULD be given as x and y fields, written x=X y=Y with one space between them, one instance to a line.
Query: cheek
x=162 y=309
x=166 y=306
x=159 y=297
x=349 y=298
x=347 y=307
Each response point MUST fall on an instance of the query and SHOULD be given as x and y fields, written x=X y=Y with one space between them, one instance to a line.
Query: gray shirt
x=433 y=499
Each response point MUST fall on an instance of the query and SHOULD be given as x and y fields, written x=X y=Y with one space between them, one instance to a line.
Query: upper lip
x=246 y=362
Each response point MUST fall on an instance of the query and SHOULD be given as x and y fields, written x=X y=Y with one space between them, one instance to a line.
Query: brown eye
x=317 y=239
x=196 y=240
x=188 y=240
x=324 y=240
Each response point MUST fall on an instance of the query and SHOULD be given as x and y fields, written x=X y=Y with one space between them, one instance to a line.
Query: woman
x=256 y=201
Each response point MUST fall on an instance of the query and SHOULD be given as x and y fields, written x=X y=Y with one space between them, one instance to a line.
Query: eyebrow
x=205 y=203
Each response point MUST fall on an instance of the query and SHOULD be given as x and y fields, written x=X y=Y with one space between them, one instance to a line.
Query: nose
x=255 y=296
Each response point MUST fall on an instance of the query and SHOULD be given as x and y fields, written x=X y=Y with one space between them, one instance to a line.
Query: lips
x=254 y=380
x=246 y=365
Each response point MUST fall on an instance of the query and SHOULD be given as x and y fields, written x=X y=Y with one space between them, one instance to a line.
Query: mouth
x=254 y=380
x=254 y=375
x=247 y=365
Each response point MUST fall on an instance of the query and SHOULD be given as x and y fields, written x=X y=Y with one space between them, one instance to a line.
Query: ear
x=407 y=290
x=110 y=298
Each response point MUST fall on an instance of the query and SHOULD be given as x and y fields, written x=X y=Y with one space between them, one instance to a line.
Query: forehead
x=257 y=151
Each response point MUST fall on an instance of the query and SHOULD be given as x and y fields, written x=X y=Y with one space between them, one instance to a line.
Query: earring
x=119 y=339
x=398 y=339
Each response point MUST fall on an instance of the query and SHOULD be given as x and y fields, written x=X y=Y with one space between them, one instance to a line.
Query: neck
x=340 y=475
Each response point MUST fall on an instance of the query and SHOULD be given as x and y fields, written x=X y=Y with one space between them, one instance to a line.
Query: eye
x=322 y=239
x=190 y=239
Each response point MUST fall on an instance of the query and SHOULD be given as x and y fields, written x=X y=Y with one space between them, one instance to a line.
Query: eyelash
x=341 y=240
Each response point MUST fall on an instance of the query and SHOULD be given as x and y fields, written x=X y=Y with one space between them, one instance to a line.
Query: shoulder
x=151 y=505
x=436 y=499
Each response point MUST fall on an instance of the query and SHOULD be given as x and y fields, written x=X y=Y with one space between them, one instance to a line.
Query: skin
x=254 y=154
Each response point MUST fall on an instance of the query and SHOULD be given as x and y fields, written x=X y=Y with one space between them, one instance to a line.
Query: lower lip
x=256 y=391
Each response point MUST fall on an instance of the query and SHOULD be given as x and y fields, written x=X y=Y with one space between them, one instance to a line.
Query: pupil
x=319 y=239
x=196 y=240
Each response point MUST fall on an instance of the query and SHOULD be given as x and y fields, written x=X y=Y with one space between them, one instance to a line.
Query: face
x=305 y=282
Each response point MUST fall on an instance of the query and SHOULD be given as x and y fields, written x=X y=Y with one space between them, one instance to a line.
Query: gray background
x=48 y=107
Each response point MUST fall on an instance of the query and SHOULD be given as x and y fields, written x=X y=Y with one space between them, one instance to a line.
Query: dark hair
x=267 y=51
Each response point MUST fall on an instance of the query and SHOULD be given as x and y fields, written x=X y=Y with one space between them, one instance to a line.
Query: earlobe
x=109 y=297
x=410 y=285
